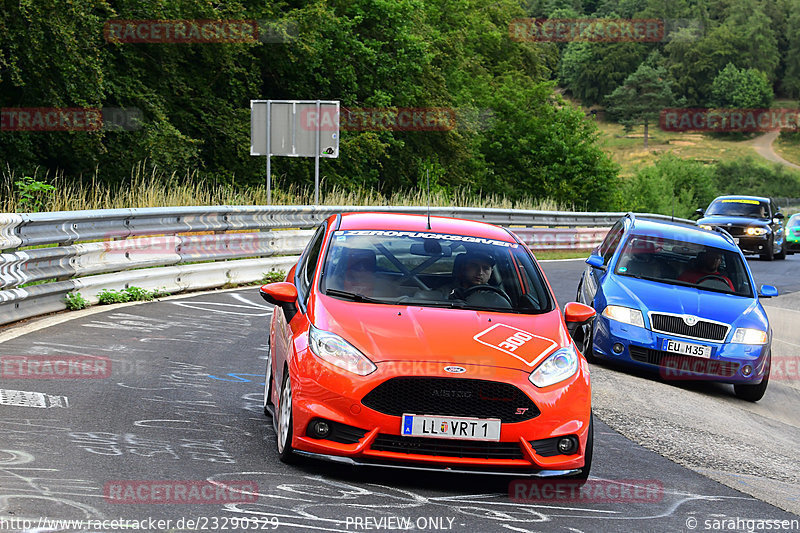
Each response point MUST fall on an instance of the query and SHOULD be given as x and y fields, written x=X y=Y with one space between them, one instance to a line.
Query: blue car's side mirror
x=768 y=291
x=596 y=261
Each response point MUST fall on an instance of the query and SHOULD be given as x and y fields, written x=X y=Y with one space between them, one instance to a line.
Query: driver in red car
x=706 y=266
x=469 y=270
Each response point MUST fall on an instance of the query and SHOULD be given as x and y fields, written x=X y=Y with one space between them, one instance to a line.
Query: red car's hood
x=457 y=336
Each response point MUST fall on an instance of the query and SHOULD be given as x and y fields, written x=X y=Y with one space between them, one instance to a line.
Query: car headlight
x=624 y=314
x=749 y=336
x=338 y=352
x=753 y=230
x=706 y=226
x=559 y=366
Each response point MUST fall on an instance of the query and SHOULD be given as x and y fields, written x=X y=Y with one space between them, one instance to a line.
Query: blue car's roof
x=682 y=231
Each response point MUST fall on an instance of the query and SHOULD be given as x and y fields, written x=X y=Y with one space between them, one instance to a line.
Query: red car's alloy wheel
x=285 y=421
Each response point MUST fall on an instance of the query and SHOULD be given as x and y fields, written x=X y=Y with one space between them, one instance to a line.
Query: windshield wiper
x=356 y=297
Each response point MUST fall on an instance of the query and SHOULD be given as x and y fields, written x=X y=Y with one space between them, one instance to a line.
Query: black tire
x=769 y=255
x=268 y=385
x=753 y=393
x=285 y=425
x=587 y=340
x=782 y=255
x=584 y=475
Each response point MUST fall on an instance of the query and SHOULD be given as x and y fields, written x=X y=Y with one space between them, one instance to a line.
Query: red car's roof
x=403 y=222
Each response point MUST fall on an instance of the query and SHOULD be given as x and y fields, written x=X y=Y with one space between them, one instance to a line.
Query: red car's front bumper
x=321 y=391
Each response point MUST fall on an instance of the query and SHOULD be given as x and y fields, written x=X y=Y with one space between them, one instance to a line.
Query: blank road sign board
x=293 y=128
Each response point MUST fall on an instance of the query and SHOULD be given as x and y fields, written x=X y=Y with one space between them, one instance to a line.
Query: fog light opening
x=568 y=445
x=320 y=429
x=747 y=370
x=618 y=348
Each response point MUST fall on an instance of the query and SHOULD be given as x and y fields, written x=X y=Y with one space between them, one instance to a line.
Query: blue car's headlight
x=624 y=314
x=559 y=366
x=338 y=352
x=749 y=336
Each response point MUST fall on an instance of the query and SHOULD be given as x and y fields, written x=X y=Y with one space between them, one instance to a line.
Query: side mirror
x=768 y=291
x=699 y=212
x=283 y=294
x=596 y=261
x=577 y=314
x=779 y=215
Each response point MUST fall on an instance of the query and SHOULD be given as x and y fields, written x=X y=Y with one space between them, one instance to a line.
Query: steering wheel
x=715 y=277
x=467 y=292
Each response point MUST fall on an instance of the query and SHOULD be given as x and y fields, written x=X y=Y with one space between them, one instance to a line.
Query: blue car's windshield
x=684 y=263
x=433 y=270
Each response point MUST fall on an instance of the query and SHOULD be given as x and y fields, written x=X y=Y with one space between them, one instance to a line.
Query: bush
x=128 y=294
x=670 y=184
x=75 y=301
x=748 y=176
x=273 y=276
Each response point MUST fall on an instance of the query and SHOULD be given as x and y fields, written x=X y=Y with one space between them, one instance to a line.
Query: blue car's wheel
x=753 y=393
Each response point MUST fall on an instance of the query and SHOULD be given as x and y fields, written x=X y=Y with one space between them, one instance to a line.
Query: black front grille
x=735 y=231
x=683 y=363
x=701 y=330
x=472 y=398
x=645 y=355
x=447 y=447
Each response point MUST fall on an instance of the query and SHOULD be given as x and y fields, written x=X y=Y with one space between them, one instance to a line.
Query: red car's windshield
x=433 y=269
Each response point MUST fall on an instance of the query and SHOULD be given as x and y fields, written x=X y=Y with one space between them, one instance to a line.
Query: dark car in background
x=754 y=222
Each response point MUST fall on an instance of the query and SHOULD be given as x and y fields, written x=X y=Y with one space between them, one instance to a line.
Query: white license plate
x=686 y=348
x=450 y=427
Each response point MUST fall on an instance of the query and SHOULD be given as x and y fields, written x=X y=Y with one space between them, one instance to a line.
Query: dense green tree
x=590 y=71
x=791 y=79
x=641 y=97
x=741 y=88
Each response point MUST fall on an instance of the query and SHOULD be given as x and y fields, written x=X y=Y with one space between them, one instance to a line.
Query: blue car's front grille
x=675 y=325
x=657 y=357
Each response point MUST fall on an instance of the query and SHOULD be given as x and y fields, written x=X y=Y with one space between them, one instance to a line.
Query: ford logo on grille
x=455 y=369
x=689 y=320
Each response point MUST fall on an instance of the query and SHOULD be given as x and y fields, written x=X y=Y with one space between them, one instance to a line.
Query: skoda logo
x=689 y=320
x=455 y=369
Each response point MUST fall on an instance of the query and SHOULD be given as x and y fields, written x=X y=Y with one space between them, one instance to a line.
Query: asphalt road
x=181 y=401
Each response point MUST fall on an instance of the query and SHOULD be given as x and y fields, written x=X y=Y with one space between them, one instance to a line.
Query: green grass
x=788 y=148
x=627 y=148
x=154 y=189
x=559 y=254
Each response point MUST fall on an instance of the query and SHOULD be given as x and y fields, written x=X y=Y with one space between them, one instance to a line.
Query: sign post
x=294 y=128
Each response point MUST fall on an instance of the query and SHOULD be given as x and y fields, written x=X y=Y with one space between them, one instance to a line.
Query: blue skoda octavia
x=678 y=299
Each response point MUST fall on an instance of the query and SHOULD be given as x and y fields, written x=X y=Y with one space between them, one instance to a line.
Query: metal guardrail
x=188 y=248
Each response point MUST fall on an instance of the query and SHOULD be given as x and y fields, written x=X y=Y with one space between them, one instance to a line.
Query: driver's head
x=476 y=269
x=710 y=261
